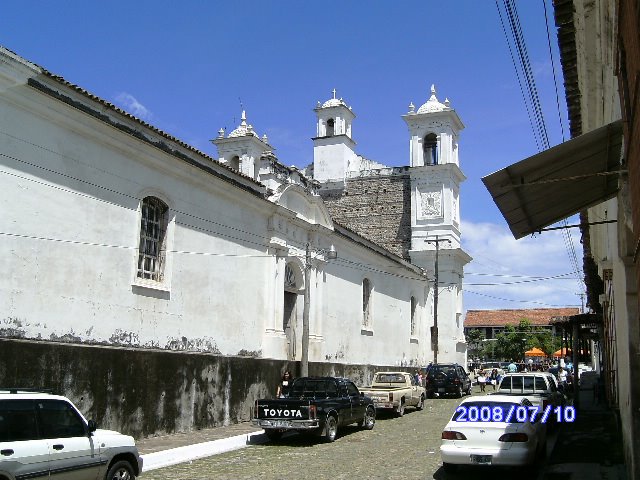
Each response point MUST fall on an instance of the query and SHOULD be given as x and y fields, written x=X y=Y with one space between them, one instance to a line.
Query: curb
x=173 y=456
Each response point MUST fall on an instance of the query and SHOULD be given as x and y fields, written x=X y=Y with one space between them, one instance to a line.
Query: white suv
x=45 y=436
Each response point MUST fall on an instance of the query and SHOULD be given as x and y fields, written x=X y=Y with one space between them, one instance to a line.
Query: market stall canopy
x=563 y=352
x=559 y=182
x=534 y=352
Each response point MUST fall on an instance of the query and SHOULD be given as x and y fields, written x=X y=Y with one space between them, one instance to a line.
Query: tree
x=474 y=339
x=515 y=340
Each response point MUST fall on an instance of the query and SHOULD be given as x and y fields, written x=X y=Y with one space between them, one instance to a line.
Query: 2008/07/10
x=516 y=413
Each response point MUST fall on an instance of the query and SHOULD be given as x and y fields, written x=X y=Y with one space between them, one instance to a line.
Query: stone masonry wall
x=146 y=392
x=376 y=207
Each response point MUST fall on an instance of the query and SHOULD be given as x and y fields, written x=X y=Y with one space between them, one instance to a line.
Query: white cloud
x=505 y=273
x=129 y=103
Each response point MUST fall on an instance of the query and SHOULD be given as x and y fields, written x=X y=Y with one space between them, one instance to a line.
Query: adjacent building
x=492 y=322
x=596 y=174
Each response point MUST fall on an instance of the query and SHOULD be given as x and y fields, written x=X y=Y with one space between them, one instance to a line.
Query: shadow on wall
x=153 y=392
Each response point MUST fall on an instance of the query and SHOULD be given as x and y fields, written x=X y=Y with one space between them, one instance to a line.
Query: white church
x=114 y=233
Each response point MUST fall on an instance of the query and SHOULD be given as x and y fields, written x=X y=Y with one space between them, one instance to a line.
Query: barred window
x=153 y=229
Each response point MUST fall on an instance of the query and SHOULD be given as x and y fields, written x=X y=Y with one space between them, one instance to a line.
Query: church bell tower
x=435 y=218
x=333 y=146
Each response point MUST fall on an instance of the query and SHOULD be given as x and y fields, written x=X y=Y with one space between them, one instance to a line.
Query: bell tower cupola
x=434 y=131
x=333 y=145
x=242 y=148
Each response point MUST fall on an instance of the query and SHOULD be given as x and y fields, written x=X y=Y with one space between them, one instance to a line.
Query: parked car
x=44 y=435
x=395 y=391
x=479 y=433
x=447 y=379
x=319 y=405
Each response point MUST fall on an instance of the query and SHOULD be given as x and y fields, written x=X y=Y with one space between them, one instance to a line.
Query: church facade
x=117 y=234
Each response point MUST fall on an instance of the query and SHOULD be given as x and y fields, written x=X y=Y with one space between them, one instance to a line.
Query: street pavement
x=406 y=447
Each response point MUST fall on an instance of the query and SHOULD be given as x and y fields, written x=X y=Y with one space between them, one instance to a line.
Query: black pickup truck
x=317 y=405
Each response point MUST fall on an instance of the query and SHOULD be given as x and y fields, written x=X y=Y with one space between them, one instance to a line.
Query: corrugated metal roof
x=559 y=182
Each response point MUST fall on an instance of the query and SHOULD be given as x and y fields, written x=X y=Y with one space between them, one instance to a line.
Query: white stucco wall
x=71 y=188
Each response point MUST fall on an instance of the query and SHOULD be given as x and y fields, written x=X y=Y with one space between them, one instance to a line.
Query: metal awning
x=557 y=183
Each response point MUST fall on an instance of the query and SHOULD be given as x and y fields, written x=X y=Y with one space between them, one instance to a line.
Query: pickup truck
x=395 y=391
x=539 y=387
x=317 y=405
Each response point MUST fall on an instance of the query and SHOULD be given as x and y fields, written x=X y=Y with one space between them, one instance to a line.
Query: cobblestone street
x=406 y=447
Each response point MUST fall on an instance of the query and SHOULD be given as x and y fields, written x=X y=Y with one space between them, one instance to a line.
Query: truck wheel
x=331 y=429
x=420 y=404
x=400 y=409
x=273 y=434
x=369 y=419
x=120 y=471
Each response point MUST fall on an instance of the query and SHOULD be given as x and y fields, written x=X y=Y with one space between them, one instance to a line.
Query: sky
x=191 y=67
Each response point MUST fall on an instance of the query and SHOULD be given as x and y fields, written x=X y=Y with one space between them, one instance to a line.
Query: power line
x=533 y=99
x=518 y=301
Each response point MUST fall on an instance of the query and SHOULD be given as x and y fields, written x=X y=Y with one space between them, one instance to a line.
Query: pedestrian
x=562 y=377
x=420 y=377
x=285 y=385
x=512 y=367
x=482 y=380
x=494 y=378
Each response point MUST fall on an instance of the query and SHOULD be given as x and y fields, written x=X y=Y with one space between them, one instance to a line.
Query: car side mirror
x=92 y=426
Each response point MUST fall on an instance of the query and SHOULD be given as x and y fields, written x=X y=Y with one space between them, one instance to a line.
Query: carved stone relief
x=431 y=204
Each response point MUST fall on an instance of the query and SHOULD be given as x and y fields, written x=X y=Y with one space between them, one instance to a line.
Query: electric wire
x=518 y=40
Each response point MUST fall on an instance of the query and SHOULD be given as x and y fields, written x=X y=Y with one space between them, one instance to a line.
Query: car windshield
x=389 y=378
x=487 y=411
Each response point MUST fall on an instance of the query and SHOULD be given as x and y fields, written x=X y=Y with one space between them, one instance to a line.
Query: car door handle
x=58 y=446
x=7 y=452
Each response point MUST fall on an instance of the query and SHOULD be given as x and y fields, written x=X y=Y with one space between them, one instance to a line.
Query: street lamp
x=331 y=255
x=434 y=334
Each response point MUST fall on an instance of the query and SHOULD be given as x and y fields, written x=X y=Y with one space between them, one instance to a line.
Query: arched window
x=153 y=236
x=414 y=304
x=430 y=149
x=366 y=302
x=330 y=127
x=235 y=163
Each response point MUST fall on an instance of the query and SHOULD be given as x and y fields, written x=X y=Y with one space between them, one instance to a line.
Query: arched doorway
x=292 y=287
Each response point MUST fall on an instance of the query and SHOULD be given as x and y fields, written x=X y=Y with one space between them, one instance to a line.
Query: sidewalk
x=591 y=447
x=163 y=451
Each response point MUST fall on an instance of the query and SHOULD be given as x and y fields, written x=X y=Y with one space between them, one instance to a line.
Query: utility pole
x=434 y=334
x=581 y=295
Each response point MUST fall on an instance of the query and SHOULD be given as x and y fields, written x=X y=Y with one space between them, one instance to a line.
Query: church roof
x=433 y=105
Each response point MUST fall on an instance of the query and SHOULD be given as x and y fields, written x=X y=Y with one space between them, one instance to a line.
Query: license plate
x=481 y=459
x=441 y=390
x=281 y=423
